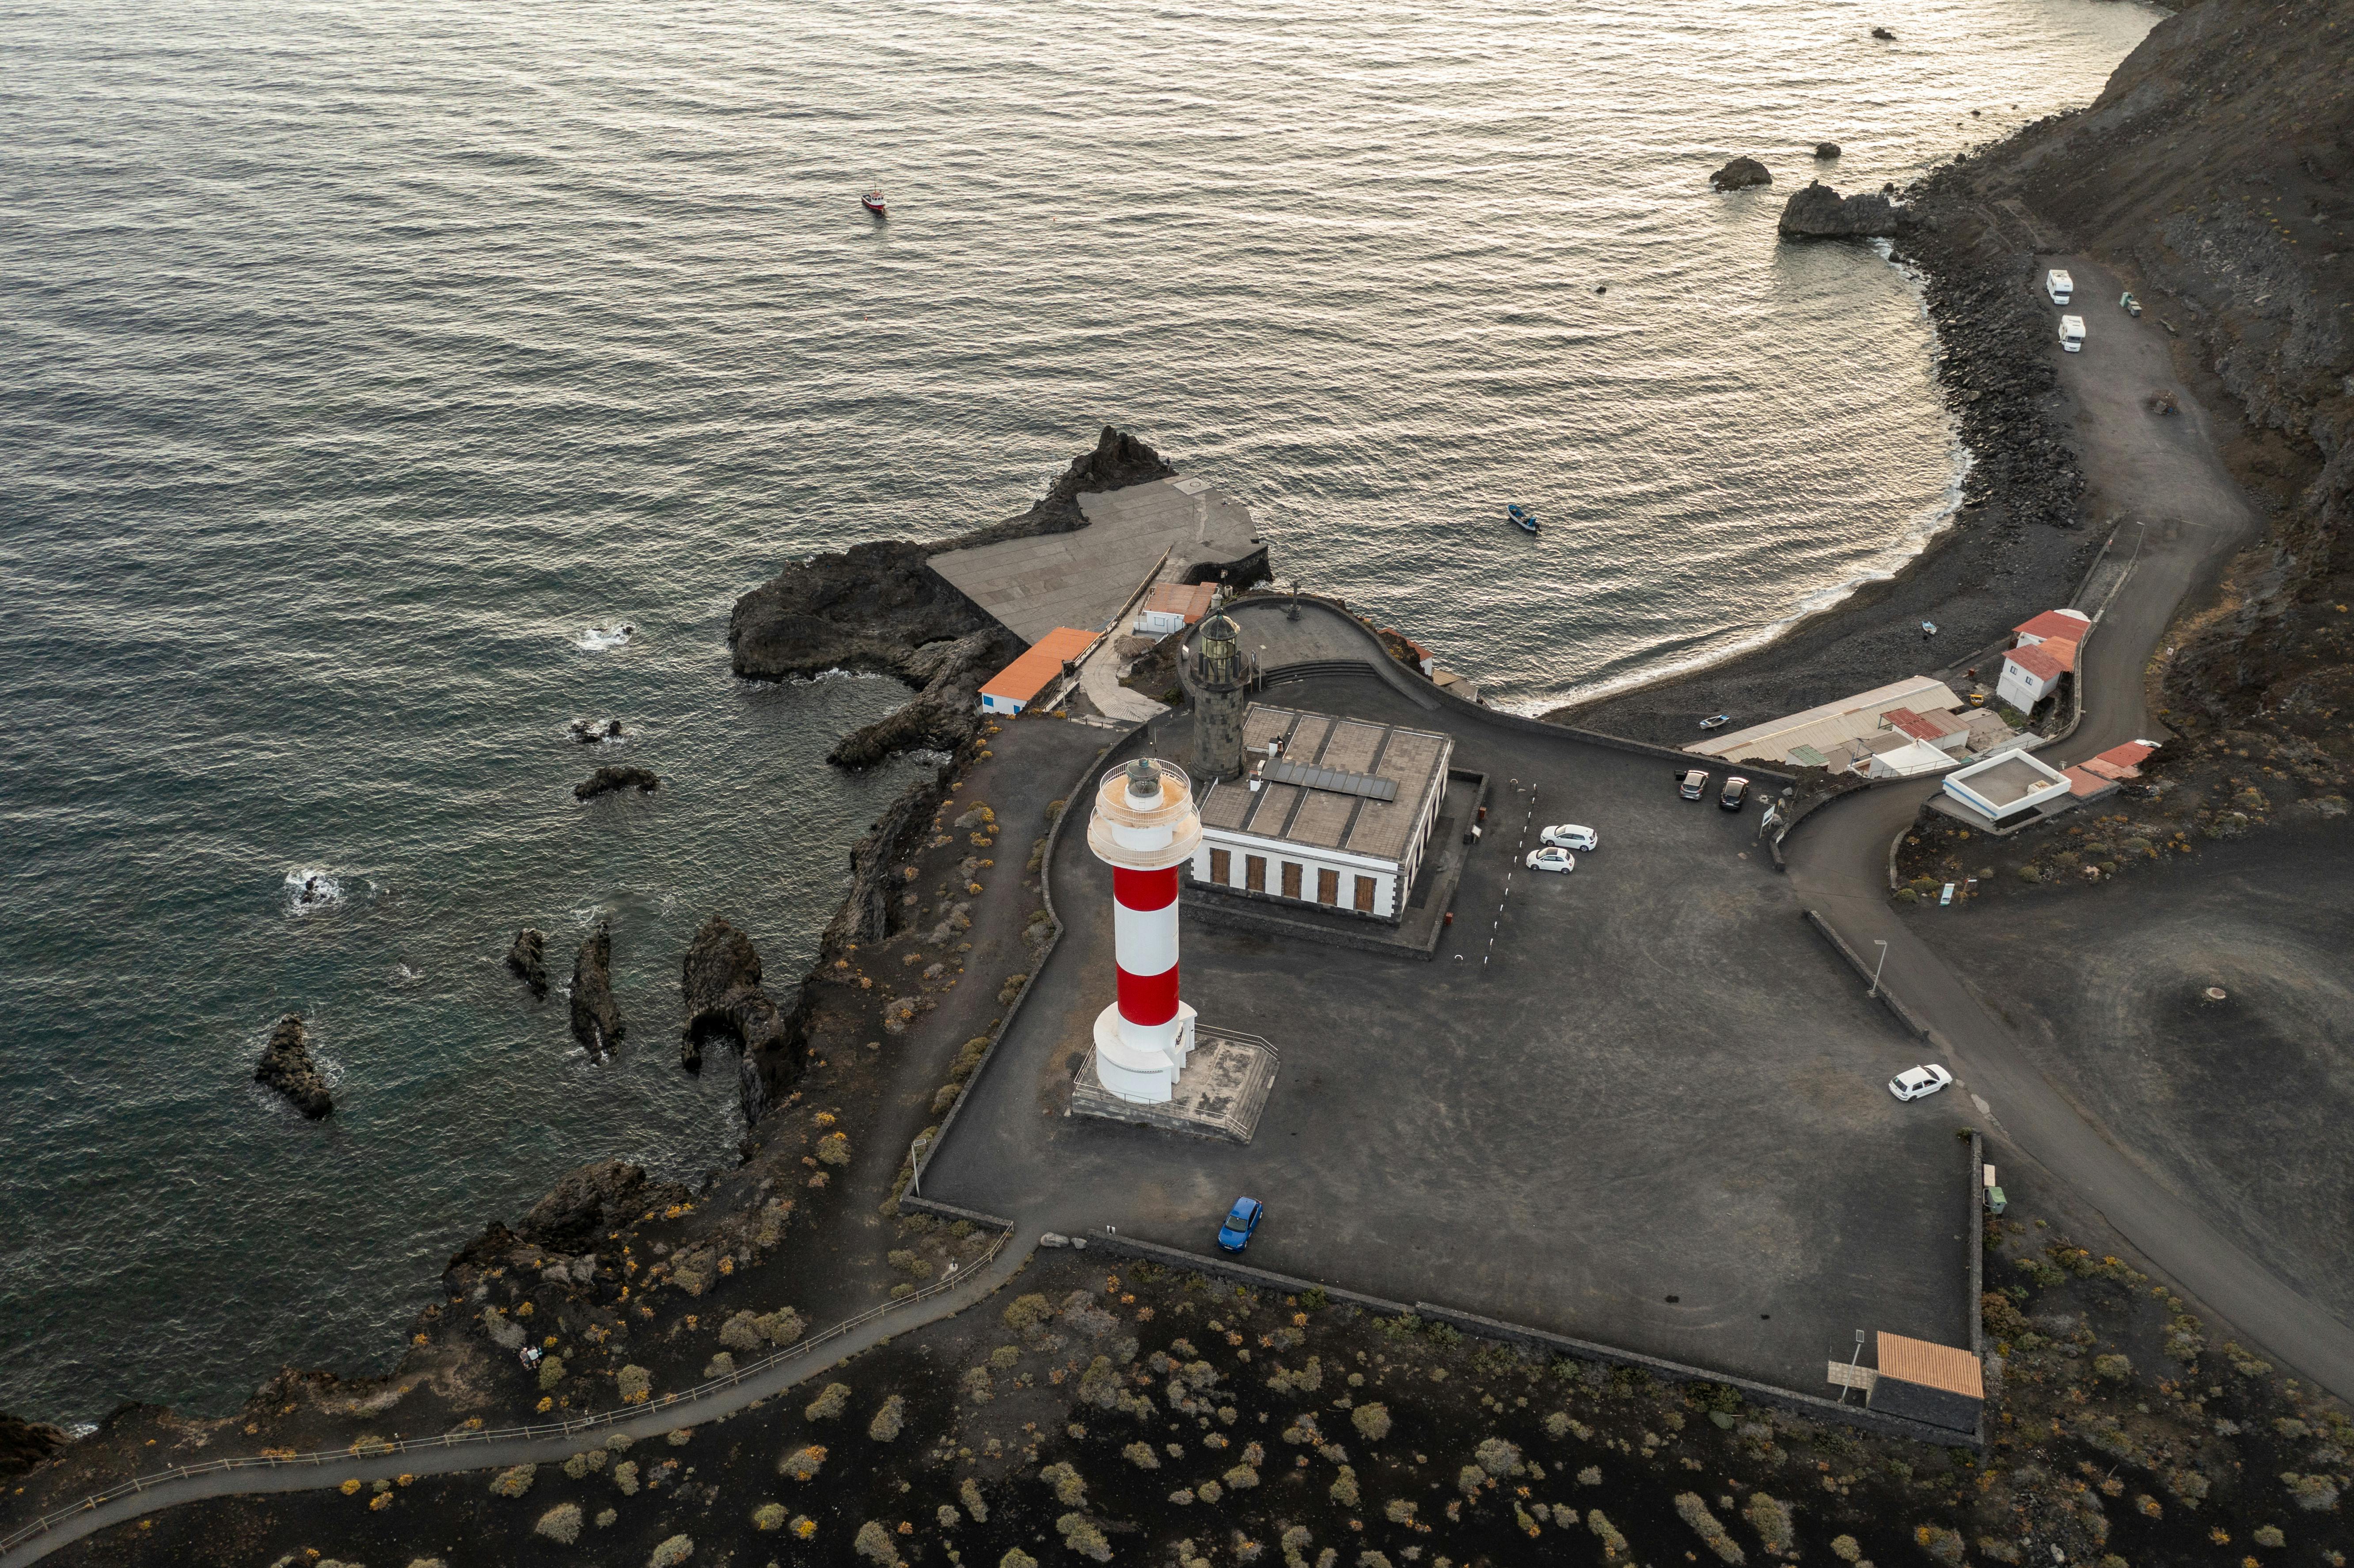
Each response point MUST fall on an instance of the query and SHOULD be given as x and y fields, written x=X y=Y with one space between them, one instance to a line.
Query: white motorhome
x=2059 y=285
x=2072 y=334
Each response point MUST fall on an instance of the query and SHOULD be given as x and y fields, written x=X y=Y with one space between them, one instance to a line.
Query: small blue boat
x=1522 y=518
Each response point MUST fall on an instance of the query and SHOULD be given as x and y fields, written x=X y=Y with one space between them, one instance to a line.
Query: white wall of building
x=2021 y=688
x=1346 y=869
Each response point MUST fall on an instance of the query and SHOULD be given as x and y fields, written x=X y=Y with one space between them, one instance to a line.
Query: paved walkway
x=498 y=1455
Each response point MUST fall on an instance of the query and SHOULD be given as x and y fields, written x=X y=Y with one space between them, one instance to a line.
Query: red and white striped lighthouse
x=1144 y=827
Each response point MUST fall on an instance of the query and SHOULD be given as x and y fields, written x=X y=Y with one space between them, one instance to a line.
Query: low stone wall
x=1904 y=1015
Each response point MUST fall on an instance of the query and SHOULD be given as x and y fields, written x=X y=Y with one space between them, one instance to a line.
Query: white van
x=2059 y=285
x=2072 y=334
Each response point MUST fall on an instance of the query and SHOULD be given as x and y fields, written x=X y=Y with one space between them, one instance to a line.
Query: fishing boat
x=873 y=202
x=1522 y=518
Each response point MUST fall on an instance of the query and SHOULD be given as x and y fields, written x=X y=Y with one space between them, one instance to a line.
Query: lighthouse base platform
x=1220 y=1093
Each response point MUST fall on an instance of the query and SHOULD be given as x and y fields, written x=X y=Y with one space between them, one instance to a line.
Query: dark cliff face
x=720 y=979
x=2217 y=171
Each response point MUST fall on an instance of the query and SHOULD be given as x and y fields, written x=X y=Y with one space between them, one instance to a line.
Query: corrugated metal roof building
x=1011 y=689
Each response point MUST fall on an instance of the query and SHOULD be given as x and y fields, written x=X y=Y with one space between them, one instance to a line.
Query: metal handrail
x=377 y=1450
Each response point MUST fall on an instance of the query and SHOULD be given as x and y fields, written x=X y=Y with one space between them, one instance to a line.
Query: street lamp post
x=1878 y=967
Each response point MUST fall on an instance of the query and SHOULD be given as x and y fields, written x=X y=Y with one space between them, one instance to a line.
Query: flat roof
x=1027 y=675
x=1931 y=1365
x=2010 y=778
x=1826 y=725
x=1323 y=802
x=1083 y=577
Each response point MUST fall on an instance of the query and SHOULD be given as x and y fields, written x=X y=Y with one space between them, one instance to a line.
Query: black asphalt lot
x=2239 y=1105
x=1650 y=1115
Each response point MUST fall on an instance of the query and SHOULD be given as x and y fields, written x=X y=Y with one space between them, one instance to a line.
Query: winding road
x=2161 y=477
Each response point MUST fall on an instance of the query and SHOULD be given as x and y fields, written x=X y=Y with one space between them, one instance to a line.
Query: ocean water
x=361 y=356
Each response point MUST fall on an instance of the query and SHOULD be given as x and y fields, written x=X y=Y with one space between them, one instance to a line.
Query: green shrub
x=1694 y=1512
x=2115 y=1369
x=1015 y=1557
x=560 y=1524
x=888 y=1420
x=670 y=1553
x=551 y=1372
x=1371 y=1422
x=874 y=1543
x=1344 y=1487
x=828 y=1405
x=1614 y=1545
x=1497 y=1458
x=803 y=1463
x=635 y=1383
x=969 y=1493
x=768 y=1516
x=514 y=1482
x=1142 y=1455
x=833 y=1149
x=625 y=1476
x=1080 y=1534
x=1028 y=1312
x=1771 y=1519
x=1070 y=1488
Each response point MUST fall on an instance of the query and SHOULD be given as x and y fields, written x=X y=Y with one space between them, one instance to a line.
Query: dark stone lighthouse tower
x=1219 y=683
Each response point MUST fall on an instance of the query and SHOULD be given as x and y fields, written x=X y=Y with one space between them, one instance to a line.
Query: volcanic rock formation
x=25 y=1444
x=1740 y=175
x=2215 y=173
x=881 y=608
x=721 y=981
x=1820 y=212
x=286 y=1067
x=590 y=1200
x=606 y=780
x=595 y=1016
x=527 y=957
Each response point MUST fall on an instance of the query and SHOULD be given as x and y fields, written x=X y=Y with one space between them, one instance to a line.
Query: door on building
x=1365 y=886
x=1222 y=867
x=1254 y=872
x=1328 y=886
x=1291 y=879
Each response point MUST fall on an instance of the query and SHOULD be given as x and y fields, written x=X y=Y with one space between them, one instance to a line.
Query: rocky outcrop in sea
x=610 y=780
x=579 y=1210
x=720 y=978
x=286 y=1067
x=1739 y=174
x=527 y=960
x=595 y=1016
x=1818 y=212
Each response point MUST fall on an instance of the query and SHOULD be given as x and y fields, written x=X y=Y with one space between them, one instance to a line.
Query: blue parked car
x=1241 y=1223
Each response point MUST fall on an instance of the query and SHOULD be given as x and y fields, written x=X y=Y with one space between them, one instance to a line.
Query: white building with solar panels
x=1329 y=811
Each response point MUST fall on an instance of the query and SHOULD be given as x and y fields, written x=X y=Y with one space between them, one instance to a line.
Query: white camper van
x=2059 y=285
x=2072 y=334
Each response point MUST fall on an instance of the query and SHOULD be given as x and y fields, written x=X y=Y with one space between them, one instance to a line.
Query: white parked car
x=1569 y=835
x=1914 y=1082
x=1552 y=859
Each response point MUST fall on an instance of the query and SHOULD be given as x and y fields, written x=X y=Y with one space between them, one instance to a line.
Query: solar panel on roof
x=1332 y=779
